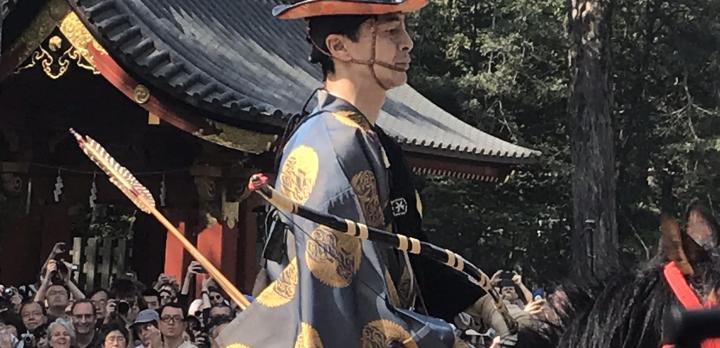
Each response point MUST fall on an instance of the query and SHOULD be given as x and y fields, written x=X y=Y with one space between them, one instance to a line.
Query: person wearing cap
x=330 y=289
x=146 y=329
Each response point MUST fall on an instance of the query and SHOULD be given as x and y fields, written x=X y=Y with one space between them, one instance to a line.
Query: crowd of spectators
x=55 y=313
x=482 y=325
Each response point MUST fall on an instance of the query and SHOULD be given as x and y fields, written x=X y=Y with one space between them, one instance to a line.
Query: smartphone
x=538 y=294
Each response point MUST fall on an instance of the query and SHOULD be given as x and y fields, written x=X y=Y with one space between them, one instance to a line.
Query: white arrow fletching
x=119 y=175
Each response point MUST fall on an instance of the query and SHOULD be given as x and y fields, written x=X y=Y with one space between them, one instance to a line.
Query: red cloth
x=687 y=297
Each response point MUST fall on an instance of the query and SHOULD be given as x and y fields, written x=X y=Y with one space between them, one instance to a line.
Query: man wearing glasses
x=172 y=326
x=84 y=319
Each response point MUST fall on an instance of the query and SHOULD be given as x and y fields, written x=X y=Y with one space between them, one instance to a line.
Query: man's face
x=392 y=46
x=509 y=293
x=83 y=318
x=153 y=302
x=32 y=316
x=171 y=322
x=100 y=299
x=57 y=296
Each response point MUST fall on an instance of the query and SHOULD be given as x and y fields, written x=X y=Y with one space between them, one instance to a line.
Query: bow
x=259 y=183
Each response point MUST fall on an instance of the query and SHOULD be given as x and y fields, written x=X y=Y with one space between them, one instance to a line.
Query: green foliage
x=106 y=220
x=501 y=65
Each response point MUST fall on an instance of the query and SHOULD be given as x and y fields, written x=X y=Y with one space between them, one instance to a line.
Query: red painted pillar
x=229 y=252
x=218 y=243
x=175 y=255
x=246 y=257
x=210 y=243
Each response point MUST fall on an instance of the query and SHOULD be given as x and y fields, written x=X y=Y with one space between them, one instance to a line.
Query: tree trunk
x=3 y=12
x=595 y=240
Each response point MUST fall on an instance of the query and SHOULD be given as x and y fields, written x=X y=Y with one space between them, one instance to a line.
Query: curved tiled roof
x=234 y=60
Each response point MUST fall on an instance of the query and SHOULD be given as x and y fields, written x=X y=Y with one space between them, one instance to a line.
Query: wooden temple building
x=189 y=95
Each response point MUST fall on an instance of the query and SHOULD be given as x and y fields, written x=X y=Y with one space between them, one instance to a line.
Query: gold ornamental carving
x=74 y=30
x=141 y=94
x=68 y=43
x=237 y=138
x=39 y=29
x=53 y=60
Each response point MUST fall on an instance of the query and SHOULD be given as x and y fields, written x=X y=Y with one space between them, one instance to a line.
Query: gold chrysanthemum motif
x=352 y=119
x=237 y=345
x=299 y=173
x=365 y=188
x=333 y=257
x=282 y=290
x=308 y=337
x=381 y=334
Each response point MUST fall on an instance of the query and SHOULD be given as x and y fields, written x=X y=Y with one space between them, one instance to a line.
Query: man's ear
x=337 y=47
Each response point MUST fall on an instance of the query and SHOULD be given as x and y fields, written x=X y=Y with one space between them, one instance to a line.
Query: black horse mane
x=625 y=311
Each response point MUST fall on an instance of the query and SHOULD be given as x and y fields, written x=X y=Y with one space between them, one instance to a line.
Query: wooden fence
x=99 y=260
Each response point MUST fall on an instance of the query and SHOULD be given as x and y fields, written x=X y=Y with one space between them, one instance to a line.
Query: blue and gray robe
x=334 y=290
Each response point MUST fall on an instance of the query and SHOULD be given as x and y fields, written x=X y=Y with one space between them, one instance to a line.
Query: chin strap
x=370 y=62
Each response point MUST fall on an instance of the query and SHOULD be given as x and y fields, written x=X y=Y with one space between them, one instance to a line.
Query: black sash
x=445 y=292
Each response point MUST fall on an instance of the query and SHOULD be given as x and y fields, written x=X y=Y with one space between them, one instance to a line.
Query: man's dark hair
x=323 y=26
x=123 y=288
x=151 y=292
x=83 y=300
x=221 y=305
x=29 y=302
x=213 y=322
x=98 y=290
x=113 y=326
x=172 y=305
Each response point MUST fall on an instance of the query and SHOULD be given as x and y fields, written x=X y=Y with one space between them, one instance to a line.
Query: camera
x=58 y=276
x=123 y=307
x=28 y=339
x=8 y=293
x=202 y=340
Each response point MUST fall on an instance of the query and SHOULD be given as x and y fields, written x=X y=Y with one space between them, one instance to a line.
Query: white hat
x=194 y=307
